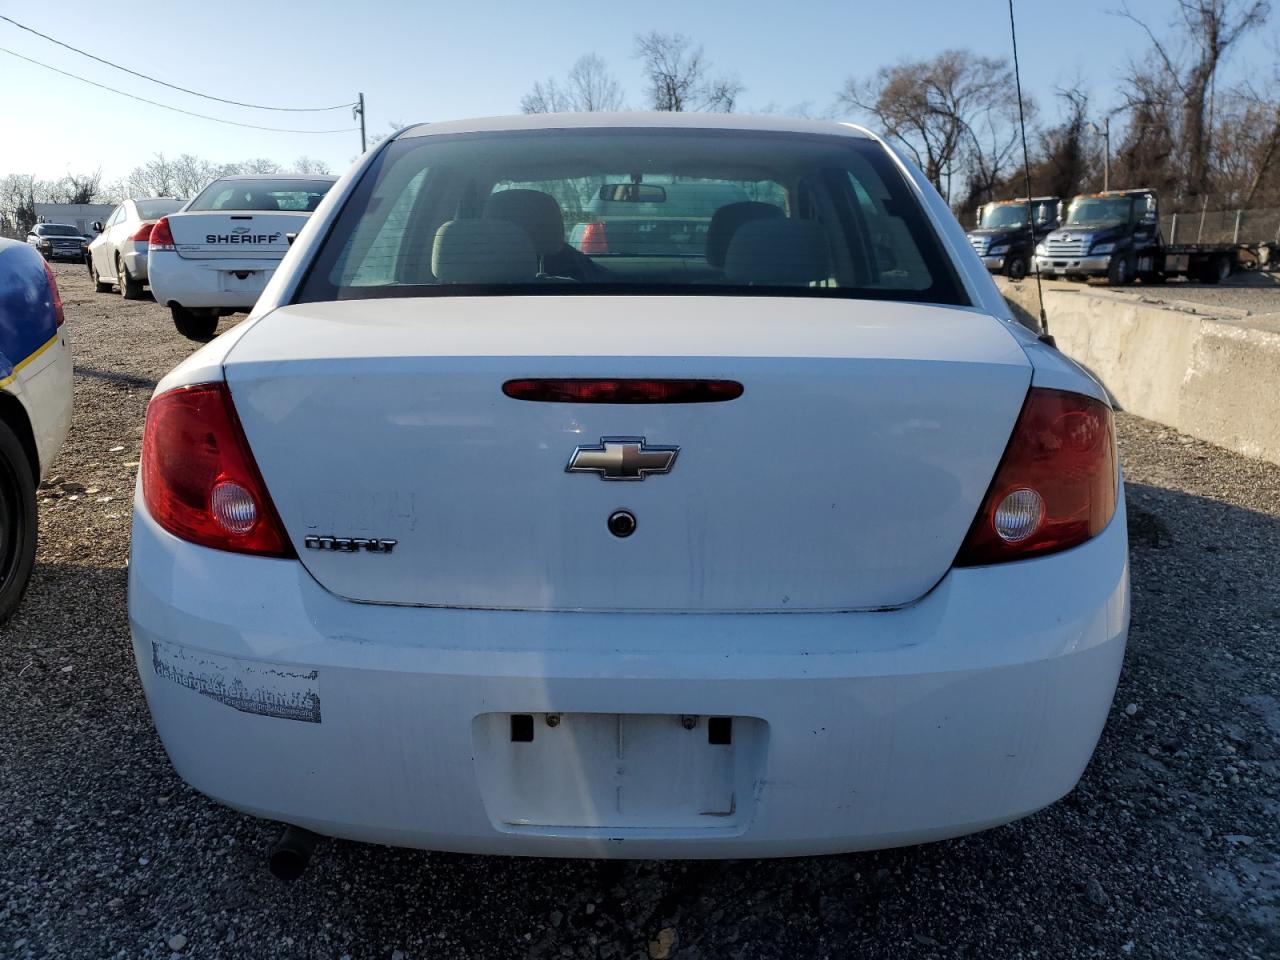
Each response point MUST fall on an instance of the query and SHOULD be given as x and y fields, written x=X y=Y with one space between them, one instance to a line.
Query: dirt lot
x=1168 y=848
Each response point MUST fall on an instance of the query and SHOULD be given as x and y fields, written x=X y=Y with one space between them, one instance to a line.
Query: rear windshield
x=632 y=210
x=261 y=195
x=56 y=230
x=154 y=209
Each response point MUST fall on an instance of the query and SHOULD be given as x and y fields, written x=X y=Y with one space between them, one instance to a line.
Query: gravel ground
x=1167 y=848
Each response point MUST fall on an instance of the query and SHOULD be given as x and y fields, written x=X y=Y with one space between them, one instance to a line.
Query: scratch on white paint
x=249 y=686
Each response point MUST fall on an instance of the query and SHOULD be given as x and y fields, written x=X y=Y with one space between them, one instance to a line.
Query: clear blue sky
x=434 y=61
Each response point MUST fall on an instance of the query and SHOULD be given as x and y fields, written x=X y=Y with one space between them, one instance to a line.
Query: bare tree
x=308 y=166
x=79 y=188
x=679 y=75
x=545 y=97
x=588 y=88
x=252 y=165
x=155 y=178
x=939 y=110
x=1204 y=33
x=192 y=174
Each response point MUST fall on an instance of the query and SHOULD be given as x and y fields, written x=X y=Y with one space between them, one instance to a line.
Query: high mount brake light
x=199 y=478
x=557 y=390
x=593 y=239
x=1056 y=485
x=161 y=237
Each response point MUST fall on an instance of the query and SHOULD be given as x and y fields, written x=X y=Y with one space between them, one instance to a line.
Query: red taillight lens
x=144 y=232
x=593 y=239
x=199 y=479
x=623 y=391
x=160 y=237
x=55 y=297
x=1056 y=485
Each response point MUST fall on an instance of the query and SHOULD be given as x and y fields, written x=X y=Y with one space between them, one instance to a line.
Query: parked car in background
x=215 y=255
x=655 y=219
x=812 y=548
x=35 y=405
x=118 y=254
x=58 y=241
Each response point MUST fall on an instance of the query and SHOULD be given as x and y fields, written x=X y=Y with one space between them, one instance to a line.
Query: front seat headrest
x=483 y=251
x=535 y=211
x=779 y=253
x=726 y=221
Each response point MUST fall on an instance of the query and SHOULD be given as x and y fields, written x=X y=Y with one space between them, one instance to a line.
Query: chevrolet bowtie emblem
x=622 y=458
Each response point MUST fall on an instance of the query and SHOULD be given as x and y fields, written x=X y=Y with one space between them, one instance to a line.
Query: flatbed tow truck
x=1116 y=234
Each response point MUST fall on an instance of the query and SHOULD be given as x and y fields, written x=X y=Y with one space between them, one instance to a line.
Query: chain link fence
x=1222 y=226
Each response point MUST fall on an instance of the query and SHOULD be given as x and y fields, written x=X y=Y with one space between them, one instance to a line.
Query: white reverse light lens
x=234 y=507
x=1019 y=515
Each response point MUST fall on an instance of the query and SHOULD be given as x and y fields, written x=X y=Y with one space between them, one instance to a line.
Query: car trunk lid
x=211 y=234
x=844 y=477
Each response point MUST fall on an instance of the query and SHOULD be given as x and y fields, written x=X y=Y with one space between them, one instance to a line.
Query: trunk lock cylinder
x=622 y=523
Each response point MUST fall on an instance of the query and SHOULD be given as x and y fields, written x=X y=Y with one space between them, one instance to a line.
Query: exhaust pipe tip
x=290 y=855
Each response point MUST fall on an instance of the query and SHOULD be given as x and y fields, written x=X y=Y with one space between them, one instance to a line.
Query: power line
x=171 y=86
x=165 y=106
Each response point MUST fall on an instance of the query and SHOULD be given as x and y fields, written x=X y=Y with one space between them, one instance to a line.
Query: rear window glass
x=261 y=195
x=151 y=209
x=643 y=210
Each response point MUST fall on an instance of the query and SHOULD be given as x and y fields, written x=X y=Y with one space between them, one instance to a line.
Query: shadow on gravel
x=1166 y=848
x=113 y=376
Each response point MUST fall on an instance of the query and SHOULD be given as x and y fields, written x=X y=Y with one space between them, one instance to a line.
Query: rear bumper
x=135 y=259
x=193 y=282
x=979 y=704
x=44 y=387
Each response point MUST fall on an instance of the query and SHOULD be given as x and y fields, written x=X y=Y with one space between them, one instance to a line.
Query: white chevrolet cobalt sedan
x=215 y=255
x=766 y=532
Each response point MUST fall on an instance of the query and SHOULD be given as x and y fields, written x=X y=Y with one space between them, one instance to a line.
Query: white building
x=79 y=215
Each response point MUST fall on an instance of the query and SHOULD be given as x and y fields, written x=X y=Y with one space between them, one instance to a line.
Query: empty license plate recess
x=604 y=774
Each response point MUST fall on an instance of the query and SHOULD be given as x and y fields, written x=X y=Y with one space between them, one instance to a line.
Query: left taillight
x=160 y=237
x=55 y=297
x=143 y=232
x=1056 y=485
x=199 y=478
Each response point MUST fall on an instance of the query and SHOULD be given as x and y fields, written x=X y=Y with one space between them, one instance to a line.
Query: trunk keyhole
x=622 y=523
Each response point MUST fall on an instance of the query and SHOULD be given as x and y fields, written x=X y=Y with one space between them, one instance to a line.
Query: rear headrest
x=779 y=253
x=262 y=201
x=726 y=221
x=483 y=251
x=535 y=211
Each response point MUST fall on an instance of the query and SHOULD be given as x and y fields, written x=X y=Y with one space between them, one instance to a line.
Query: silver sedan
x=118 y=254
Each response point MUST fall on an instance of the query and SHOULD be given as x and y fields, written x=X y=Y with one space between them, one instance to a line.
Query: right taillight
x=593 y=239
x=1056 y=485
x=144 y=232
x=199 y=479
x=161 y=237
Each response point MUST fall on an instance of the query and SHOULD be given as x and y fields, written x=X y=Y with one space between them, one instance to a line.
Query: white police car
x=215 y=255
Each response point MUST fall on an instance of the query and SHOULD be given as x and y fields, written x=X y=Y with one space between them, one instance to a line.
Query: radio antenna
x=1026 y=169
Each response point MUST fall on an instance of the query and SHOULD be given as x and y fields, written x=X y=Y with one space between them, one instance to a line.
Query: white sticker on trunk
x=250 y=686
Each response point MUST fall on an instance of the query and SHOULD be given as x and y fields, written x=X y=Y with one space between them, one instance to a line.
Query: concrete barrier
x=1209 y=372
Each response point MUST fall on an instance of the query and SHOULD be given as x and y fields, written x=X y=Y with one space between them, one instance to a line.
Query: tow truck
x=1116 y=234
x=1000 y=235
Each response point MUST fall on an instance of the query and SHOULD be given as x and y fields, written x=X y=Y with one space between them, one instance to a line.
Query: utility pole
x=1105 y=131
x=1106 y=146
x=358 y=109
